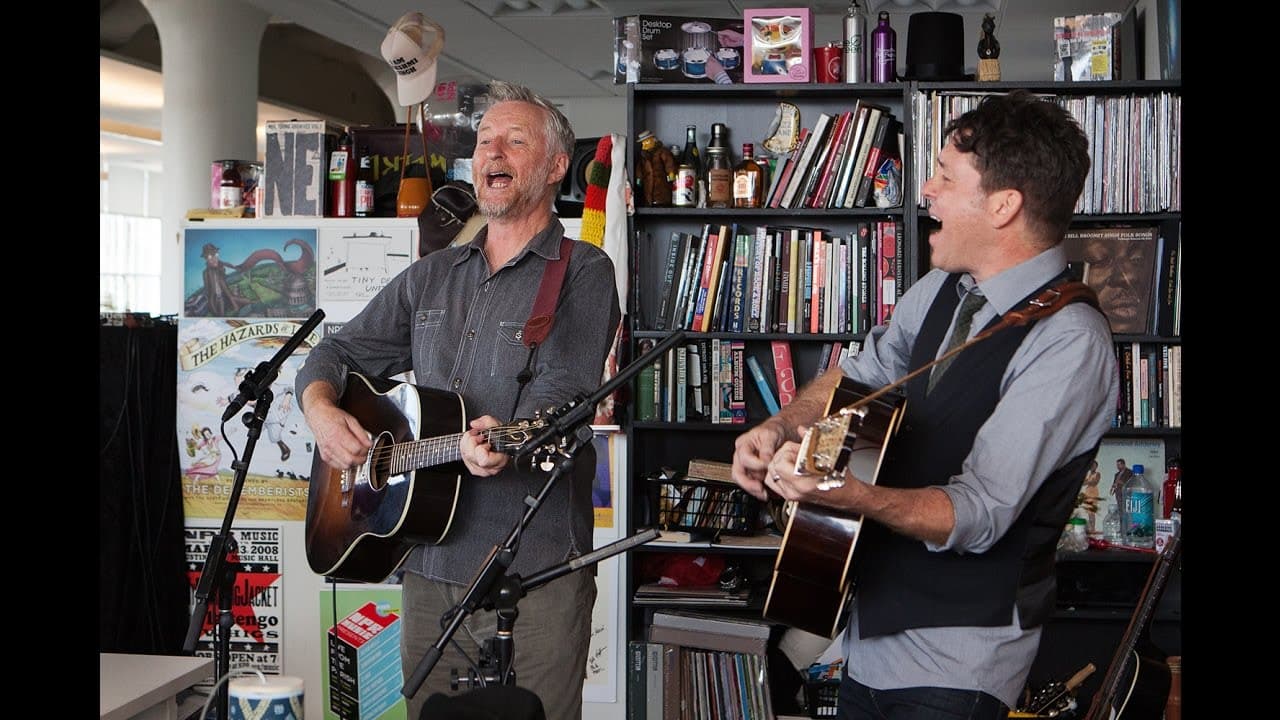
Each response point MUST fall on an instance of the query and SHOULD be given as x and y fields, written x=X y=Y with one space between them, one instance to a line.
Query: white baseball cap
x=411 y=48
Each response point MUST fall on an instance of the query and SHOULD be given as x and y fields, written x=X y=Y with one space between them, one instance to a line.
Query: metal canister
x=855 y=36
x=686 y=188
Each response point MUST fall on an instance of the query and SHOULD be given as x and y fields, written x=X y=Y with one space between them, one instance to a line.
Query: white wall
x=131 y=190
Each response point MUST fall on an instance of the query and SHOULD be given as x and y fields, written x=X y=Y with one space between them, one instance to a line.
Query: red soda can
x=686 y=189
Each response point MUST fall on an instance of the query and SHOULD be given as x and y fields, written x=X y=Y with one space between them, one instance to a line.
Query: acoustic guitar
x=1136 y=686
x=361 y=522
x=812 y=574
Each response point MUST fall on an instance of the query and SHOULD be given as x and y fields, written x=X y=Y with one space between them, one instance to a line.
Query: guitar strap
x=543 y=314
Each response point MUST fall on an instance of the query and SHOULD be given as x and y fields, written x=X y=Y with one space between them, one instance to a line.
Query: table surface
x=129 y=684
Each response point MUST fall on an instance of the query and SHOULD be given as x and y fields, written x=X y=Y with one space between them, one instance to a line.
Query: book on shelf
x=1119 y=263
x=760 y=540
x=670 y=276
x=703 y=595
x=863 y=151
x=762 y=385
x=883 y=145
x=788 y=167
x=826 y=162
x=1166 y=285
x=709 y=632
x=713 y=470
x=804 y=167
x=784 y=372
x=645 y=392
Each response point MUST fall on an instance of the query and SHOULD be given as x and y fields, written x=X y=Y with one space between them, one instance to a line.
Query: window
x=128 y=263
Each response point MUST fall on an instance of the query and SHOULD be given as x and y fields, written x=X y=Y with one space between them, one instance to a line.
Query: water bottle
x=854 y=61
x=1139 y=510
x=1111 y=525
x=884 y=51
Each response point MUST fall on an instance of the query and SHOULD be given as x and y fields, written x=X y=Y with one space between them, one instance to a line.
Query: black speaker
x=573 y=189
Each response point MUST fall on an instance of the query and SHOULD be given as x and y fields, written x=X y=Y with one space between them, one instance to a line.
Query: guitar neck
x=418 y=454
x=1100 y=709
x=429 y=452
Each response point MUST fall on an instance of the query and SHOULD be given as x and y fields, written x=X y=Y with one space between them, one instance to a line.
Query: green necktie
x=971 y=304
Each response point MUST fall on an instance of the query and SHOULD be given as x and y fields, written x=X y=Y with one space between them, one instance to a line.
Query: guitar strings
x=445 y=442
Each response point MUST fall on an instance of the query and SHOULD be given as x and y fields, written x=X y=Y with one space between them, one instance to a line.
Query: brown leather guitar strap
x=543 y=314
x=1048 y=302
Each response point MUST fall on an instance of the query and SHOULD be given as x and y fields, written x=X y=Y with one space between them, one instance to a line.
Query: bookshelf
x=656 y=443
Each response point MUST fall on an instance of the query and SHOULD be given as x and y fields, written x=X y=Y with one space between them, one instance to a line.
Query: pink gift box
x=778 y=45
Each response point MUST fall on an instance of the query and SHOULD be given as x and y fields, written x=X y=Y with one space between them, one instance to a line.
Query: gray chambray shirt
x=460 y=328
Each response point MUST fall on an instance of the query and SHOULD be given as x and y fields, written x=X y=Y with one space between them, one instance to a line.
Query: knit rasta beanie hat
x=597 y=186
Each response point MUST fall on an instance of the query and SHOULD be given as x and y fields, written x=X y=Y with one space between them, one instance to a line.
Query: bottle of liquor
x=342 y=180
x=1139 y=510
x=364 y=185
x=748 y=180
x=231 y=186
x=691 y=156
x=884 y=51
x=719 y=169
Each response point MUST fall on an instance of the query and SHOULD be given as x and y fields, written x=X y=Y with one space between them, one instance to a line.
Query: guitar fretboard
x=410 y=456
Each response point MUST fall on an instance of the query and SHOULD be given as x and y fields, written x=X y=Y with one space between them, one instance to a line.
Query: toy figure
x=988 y=51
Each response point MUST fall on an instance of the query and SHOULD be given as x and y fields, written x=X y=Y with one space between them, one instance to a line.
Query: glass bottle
x=365 y=185
x=691 y=156
x=884 y=51
x=1175 y=510
x=719 y=178
x=1139 y=510
x=231 y=186
x=1111 y=524
x=748 y=180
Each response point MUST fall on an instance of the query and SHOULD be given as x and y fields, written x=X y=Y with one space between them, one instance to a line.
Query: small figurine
x=988 y=51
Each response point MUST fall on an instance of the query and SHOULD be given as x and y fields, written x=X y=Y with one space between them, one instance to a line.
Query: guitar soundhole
x=380 y=461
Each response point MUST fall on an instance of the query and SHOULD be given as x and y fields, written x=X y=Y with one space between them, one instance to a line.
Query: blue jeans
x=859 y=702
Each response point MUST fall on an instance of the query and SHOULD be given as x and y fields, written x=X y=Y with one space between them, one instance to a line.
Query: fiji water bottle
x=1139 y=510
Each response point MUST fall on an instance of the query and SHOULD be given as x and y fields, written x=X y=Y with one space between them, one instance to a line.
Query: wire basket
x=712 y=508
x=820 y=698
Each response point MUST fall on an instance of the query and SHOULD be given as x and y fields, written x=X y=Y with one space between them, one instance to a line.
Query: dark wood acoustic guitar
x=1136 y=686
x=812 y=575
x=362 y=522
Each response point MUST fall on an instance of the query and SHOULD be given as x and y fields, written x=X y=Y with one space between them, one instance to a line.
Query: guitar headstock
x=510 y=439
x=822 y=450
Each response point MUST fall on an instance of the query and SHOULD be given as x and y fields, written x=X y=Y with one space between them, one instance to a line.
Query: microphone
x=258 y=380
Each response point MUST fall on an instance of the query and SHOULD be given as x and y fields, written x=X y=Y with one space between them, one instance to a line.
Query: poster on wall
x=249 y=272
x=256 y=637
x=214 y=356
x=357 y=262
x=361 y=676
x=601 y=683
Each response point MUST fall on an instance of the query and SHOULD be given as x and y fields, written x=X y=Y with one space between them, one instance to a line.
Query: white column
x=209 y=62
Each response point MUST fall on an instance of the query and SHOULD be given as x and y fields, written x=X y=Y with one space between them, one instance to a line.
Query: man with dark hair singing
x=954 y=563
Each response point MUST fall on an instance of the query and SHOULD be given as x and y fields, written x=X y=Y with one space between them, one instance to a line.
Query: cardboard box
x=295 y=173
x=779 y=45
x=676 y=49
x=365 y=676
x=1087 y=47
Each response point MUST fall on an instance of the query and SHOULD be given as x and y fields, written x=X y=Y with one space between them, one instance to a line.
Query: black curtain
x=143 y=592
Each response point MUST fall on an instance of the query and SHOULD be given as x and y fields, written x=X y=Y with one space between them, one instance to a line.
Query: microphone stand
x=503 y=599
x=223 y=561
x=567 y=431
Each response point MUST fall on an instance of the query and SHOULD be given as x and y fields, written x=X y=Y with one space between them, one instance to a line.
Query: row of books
x=705 y=380
x=701 y=667
x=1134 y=143
x=782 y=278
x=846 y=160
x=1150 y=385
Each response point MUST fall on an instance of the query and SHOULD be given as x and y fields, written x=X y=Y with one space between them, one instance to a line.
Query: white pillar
x=209 y=62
